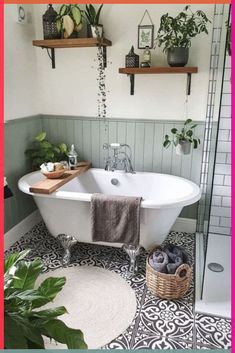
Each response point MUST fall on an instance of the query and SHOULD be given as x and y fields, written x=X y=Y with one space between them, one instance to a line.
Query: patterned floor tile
x=170 y=318
x=213 y=331
x=158 y=324
x=145 y=341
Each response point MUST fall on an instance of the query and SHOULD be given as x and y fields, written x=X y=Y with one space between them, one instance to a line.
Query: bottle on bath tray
x=73 y=157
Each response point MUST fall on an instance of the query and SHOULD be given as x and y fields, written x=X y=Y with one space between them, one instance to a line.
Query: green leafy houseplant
x=183 y=137
x=45 y=151
x=69 y=20
x=177 y=32
x=24 y=324
x=93 y=17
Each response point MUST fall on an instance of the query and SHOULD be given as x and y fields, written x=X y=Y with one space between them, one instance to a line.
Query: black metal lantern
x=49 y=24
x=132 y=59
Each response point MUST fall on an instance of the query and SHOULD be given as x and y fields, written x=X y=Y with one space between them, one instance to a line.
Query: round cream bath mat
x=99 y=302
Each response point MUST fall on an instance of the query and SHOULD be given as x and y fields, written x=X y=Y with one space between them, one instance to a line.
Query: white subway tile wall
x=220 y=220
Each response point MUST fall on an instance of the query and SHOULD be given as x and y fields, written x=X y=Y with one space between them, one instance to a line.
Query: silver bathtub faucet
x=119 y=157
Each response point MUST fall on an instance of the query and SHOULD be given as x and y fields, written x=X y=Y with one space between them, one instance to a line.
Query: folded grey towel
x=115 y=218
x=158 y=261
x=172 y=267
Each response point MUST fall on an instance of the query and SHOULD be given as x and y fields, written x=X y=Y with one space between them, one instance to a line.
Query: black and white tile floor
x=158 y=324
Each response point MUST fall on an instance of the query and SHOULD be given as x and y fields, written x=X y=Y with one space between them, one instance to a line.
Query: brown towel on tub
x=115 y=219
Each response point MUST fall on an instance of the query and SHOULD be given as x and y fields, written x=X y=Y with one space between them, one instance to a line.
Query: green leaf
x=63 y=148
x=13 y=259
x=48 y=290
x=73 y=338
x=13 y=338
x=59 y=25
x=27 y=273
x=76 y=15
x=189 y=133
x=27 y=329
x=63 y=10
x=56 y=149
x=174 y=130
x=193 y=126
x=41 y=136
x=45 y=144
x=97 y=19
x=195 y=144
x=49 y=313
x=166 y=143
x=188 y=121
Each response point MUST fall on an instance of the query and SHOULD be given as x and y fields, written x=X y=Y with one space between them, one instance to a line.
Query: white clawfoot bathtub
x=68 y=209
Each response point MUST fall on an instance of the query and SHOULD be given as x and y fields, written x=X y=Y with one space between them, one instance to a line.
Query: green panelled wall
x=88 y=134
x=144 y=136
x=18 y=136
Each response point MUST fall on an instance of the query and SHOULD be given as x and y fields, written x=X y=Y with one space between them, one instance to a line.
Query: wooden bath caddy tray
x=47 y=186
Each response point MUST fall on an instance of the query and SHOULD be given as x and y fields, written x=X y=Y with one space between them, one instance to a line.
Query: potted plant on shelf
x=69 y=21
x=175 y=34
x=94 y=28
x=183 y=139
x=45 y=151
x=25 y=324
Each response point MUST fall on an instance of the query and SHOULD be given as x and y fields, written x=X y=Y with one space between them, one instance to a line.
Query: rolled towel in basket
x=158 y=261
x=172 y=267
x=174 y=251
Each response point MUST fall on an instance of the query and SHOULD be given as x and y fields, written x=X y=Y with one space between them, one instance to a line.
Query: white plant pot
x=184 y=147
x=97 y=31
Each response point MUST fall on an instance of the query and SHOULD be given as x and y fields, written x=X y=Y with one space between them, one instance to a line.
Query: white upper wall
x=21 y=82
x=71 y=88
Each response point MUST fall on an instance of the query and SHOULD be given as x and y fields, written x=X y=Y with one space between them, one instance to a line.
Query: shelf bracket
x=188 y=90
x=51 y=56
x=132 y=84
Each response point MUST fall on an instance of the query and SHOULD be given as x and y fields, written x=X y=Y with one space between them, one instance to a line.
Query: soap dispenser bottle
x=73 y=157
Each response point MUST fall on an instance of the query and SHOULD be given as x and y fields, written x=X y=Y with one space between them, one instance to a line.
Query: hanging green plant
x=183 y=139
x=24 y=324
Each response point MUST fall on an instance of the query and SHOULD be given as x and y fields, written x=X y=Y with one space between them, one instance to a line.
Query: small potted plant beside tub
x=175 y=34
x=94 y=28
x=183 y=139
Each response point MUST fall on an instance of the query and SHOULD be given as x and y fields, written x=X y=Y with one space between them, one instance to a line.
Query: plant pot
x=184 y=147
x=95 y=31
x=177 y=57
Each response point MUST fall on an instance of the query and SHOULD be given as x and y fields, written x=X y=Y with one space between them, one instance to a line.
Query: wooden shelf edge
x=72 y=43
x=158 y=70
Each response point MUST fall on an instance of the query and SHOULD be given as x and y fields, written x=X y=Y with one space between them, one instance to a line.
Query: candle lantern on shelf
x=132 y=59
x=49 y=24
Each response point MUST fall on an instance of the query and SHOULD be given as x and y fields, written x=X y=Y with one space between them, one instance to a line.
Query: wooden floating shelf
x=132 y=71
x=158 y=70
x=72 y=43
x=52 y=44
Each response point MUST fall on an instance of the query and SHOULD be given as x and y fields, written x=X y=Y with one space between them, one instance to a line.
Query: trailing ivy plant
x=178 y=31
x=186 y=134
x=24 y=324
x=44 y=151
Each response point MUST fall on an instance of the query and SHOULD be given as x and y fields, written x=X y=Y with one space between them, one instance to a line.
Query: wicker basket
x=167 y=286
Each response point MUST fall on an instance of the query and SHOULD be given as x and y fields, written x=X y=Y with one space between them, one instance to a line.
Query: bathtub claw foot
x=67 y=242
x=132 y=251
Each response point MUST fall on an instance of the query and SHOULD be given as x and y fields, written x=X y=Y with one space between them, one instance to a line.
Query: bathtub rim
x=190 y=199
